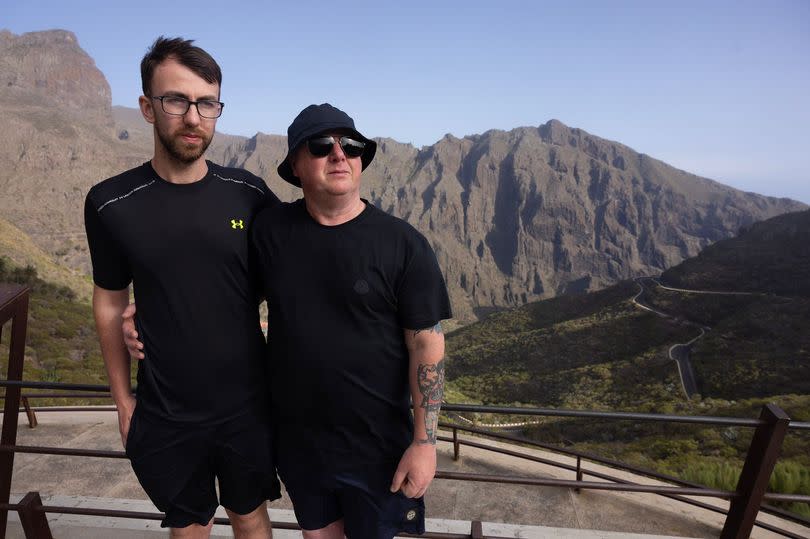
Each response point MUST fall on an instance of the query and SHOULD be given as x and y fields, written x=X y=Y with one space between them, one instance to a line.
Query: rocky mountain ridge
x=514 y=216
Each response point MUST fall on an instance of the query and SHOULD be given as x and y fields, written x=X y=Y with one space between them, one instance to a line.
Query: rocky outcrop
x=513 y=216
x=56 y=138
x=50 y=69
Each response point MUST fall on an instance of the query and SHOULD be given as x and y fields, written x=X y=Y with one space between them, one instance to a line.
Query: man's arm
x=134 y=346
x=426 y=371
x=108 y=306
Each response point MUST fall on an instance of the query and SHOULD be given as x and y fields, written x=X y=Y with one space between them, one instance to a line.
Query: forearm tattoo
x=431 y=386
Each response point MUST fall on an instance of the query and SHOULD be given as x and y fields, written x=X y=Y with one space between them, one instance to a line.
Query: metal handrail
x=478 y=408
x=592 y=457
x=636 y=416
x=677 y=493
x=449 y=407
x=745 y=501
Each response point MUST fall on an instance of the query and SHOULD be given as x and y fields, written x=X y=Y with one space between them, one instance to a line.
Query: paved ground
x=541 y=511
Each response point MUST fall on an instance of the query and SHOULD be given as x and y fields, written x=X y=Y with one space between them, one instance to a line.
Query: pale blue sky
x=718 y=88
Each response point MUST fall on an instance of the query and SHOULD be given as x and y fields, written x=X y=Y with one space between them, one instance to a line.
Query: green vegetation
x=20 y=250
x=599 y=351
x=61 y=343
x=596 y=351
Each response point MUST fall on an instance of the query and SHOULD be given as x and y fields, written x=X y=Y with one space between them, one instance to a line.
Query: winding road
x=678 y=352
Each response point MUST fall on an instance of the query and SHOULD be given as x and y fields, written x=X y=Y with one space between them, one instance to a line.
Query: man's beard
x=180 y=151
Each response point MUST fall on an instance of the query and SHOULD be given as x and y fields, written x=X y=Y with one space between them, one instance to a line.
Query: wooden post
x=29 y=412
x=14 y=307
x=456 y=446
x=476 y=530
x=759 y=463
x=33 y=519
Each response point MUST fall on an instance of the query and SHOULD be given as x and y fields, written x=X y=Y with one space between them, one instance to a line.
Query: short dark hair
x=185 y=53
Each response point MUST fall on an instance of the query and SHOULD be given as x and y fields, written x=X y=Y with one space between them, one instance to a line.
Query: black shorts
x=176 y=465
x=361 y=498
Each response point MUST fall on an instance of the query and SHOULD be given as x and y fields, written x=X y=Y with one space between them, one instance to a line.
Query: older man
x=355 y=299
x=176 y=228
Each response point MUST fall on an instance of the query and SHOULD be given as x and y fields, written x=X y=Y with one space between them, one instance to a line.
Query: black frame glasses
x=210 y=108
x=322 y=146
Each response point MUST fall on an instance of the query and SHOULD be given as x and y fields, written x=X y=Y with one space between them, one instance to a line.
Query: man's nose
x=337 y=151
x=192 y=115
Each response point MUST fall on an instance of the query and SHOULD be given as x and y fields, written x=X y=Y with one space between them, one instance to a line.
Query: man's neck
x=333 y=211
x=175 y=171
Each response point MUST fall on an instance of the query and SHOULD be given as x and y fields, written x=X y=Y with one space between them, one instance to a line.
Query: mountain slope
x=21 y=251
x=770 y=257
x=756 y=345
x=514 y=216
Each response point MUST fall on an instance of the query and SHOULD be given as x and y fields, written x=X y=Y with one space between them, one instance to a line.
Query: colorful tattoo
x=431 y=385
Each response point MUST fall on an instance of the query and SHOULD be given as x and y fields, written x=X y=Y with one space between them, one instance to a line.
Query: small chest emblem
x=361 y=287
x=237 y=223
x=410 y=515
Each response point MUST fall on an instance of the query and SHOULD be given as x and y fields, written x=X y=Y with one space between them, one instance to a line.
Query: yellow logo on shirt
x=237 y=223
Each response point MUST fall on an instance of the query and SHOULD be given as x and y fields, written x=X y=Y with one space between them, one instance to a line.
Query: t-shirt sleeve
x=111 y=269
x=422 y=298
x=270 y=198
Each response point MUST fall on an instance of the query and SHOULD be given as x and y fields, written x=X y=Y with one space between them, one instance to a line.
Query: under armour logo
x=237 y=223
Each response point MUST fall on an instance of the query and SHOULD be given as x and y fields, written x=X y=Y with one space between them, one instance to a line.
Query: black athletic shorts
x=361 y=498
x=176 y=465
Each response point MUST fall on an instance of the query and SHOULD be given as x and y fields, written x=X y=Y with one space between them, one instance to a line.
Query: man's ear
x=293 y=160
x=147 y=107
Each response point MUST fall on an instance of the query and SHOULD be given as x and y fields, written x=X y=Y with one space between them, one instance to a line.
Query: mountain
x=602 y=350
x=56 y=139
x=772 y=257
x=514 y=216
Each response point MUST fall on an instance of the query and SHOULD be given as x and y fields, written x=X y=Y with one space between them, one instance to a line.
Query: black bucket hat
x=314 y=120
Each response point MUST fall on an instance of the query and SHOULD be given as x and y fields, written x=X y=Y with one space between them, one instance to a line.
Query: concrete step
x=91 y=527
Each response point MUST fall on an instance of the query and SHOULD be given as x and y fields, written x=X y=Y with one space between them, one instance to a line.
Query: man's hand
x=125 y=409
x=416 y=470
x=134 y=346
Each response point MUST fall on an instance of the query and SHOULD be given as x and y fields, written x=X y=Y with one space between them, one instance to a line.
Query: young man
x=355 y=298
x=176 y=228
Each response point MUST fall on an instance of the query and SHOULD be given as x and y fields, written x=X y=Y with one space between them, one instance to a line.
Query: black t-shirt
x=185 y=249
x=338 y=300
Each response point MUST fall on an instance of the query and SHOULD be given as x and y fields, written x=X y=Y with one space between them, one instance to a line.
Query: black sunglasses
x=322 y=146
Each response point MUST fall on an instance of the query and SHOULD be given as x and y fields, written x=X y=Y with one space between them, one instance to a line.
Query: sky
x=714 y=87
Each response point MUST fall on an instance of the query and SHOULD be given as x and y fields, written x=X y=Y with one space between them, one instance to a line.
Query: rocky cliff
x=514 y=216
x=534 y=212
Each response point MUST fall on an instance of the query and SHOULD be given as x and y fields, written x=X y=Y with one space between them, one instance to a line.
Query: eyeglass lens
x=321 y=146
x=180 y=105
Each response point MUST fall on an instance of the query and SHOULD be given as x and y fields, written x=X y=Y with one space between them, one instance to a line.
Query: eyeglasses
x=322 y=146
x=178 y=106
